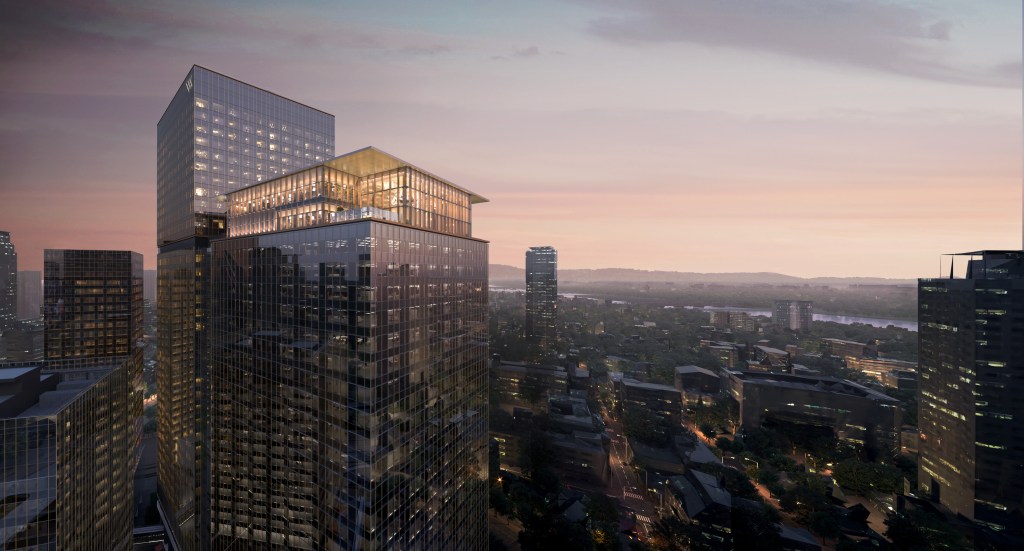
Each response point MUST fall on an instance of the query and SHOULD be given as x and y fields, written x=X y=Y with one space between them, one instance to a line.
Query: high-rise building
x=92 y=305
x=348 y=362
x=30 y=293
x=217 y=135
x=795 y=315
x=541 y=294
x=93 y=316
x=970 y=381
x=67 y=458
x=8 y=281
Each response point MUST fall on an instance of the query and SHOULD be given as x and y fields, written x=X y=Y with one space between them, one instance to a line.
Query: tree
x=825 y=524
x=755 y=528
x=672 y=534
x=864 y=478
x=918 y=530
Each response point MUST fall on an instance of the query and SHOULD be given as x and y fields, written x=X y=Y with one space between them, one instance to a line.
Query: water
x=877 y=322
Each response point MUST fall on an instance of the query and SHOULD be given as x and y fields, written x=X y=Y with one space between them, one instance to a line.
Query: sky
x=805 y=137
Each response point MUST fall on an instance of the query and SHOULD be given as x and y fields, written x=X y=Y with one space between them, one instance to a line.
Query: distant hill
x=505 y=274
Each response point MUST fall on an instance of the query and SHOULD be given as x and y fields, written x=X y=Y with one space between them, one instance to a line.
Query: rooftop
x=684 y=369
x=810 y=383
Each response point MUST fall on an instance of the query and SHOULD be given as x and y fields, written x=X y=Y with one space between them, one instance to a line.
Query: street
x=625 y=484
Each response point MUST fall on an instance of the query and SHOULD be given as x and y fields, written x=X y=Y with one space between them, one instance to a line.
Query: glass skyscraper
x=970 y=387
x=217 y=135
x=92 y=305
x=541 y=295
x=348 y=362
x=68 y=462
x=8 y=281
x=72 y=424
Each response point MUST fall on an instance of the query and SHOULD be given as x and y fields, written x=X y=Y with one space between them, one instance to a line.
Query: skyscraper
x=541 y=295
x=795 y=315
x=348 y=362
x=71 y=424
x=217 y=135
x=30 y=293
x=92 y=305
x=970 y=383
x=67 y=466
x=8 y=281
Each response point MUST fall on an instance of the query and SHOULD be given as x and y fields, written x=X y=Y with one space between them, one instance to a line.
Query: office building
x=795 y=315
x=663 y=400
x=840 y=348
x=969 y=388
x=348 y=362
x=521 y=384
x=853 y=412
x=217 y=135
x=67 y=458
x=541 y=295
x=92 y=306
x=8 y=281
x=22 y=342
x=30 y=294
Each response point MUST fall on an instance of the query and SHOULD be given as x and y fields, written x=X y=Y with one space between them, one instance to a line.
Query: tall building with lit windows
x=8 y=281
x=971 y=377
x=92 y=305
x=795 y=315
x=217 y=135
x=541 y=294
x=348 y=362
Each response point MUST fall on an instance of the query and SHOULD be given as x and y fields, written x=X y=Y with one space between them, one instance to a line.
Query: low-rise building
x=663 y=400
x=523 y=384
x=877 y=368
x=698 y=498
x=854 y=412
x=840 y=348
x=696 y=382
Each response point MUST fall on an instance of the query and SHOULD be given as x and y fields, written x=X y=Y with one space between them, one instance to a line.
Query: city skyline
x=875 y=151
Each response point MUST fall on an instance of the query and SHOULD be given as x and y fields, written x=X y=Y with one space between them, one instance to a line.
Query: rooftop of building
x=51 y=399
x=633 y=383
x=364 y=162
x=686 y=369
x=698 y=490
x=811 y=383
x=843 y=341
x=770 y=350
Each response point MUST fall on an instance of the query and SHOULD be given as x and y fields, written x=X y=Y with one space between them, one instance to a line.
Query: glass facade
x=324 y=194
x=217 y=135
x=541 y=295
x=8 y=281
x=67 y=459
x=92 y=305
x=348 y=364
x=969 y=388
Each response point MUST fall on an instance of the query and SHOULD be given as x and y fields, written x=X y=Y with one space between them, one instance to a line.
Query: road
x=625 y=484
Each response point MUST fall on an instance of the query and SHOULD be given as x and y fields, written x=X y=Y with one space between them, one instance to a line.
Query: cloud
x=862 y=33
x=528 y=52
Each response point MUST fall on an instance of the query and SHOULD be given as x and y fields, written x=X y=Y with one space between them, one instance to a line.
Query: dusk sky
x=807 y=137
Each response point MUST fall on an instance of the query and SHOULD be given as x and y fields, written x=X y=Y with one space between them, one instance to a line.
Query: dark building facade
x=541 y=295
x=217 y=135
x=67 y=465
x=30 y=293
x=971 y=377
x=348 y=362
x=795 y=315
x=92 y=305
x=8 y=281
x=854 y=412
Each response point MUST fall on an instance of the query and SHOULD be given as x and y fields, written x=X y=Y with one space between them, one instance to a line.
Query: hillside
x=504 y=274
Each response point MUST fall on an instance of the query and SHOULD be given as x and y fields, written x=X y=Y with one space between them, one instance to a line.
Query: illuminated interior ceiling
x=371 y=160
